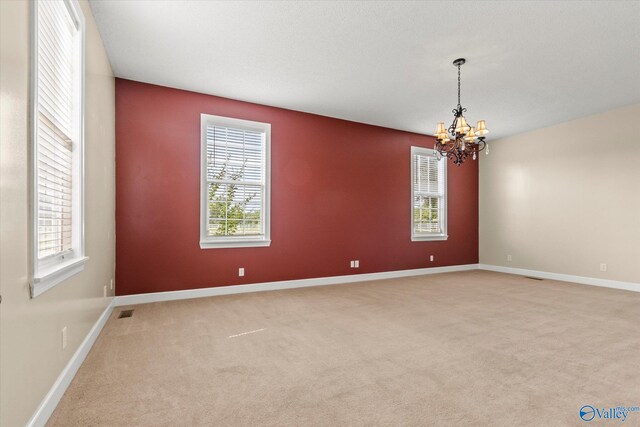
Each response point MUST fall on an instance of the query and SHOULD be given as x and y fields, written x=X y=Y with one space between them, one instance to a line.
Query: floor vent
x=125 y=313
x=533 y=278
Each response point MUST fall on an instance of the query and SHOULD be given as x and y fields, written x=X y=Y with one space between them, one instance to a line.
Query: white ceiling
x=529 y=64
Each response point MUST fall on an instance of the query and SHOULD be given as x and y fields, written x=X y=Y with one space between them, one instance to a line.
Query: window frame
x=54 y=269
x=442 y=214
x=213 y=242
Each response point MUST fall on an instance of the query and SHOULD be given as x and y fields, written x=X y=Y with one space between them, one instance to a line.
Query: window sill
x=49 y=277
x=239 y=243
x=434 y=237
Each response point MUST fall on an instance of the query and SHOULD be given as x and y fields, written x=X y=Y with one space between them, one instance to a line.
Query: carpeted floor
x=460 y=349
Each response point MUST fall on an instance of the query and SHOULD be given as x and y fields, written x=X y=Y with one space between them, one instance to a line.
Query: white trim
x=50 y=401
x=285 y=284
x=336 y=280
x=592 y=281
x=47 y=279
x=426 y=237
x=233 y=243
x=209 y=242
x=429 y=238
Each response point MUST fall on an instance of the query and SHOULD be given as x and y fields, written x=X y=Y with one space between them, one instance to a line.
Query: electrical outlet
x=241 y=271
x=603 y=267
x=431 y=258
x=111 y=284
x=104 y=290
x=63 y=335
x=509 y=258
x=356 y=263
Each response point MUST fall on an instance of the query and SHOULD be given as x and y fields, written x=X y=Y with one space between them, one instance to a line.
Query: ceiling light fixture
x=460 y=140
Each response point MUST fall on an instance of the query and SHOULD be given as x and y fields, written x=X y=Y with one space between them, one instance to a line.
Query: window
x=234 y=205
x=428 y=196
x=57 y=138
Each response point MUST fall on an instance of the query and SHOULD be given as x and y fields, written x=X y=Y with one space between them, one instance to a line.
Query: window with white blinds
x=57 y=135
x=429 y=195
x=235 y=182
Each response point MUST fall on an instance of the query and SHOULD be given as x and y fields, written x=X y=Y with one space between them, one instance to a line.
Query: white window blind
x=56 y=126
x=428 y=195
x=235 y=185
x=56 y=120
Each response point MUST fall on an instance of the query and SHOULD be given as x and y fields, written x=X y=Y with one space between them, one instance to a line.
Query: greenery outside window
x=235 y=182
x=428 y=195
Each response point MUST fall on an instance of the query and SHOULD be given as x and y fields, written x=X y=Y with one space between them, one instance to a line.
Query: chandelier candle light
x=460 y=140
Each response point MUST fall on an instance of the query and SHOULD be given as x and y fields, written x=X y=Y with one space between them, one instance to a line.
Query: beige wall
x=31 y=356
x=565 y=198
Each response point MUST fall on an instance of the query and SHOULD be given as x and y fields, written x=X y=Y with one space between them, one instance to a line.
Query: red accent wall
x=340 y=191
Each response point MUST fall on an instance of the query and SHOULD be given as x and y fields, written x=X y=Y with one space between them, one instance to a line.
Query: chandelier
x=460 y=140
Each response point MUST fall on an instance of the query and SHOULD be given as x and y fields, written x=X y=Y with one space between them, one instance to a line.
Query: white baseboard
x=51 y=400
x=285 y=284
x=628 y=286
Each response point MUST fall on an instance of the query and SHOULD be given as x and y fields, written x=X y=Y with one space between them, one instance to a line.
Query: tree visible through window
x=232 y=209
x=235 y=182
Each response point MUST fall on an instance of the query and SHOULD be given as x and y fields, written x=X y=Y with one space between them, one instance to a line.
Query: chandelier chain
x=458 y=84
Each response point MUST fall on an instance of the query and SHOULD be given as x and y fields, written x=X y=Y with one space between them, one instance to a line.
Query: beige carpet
x=474 y=348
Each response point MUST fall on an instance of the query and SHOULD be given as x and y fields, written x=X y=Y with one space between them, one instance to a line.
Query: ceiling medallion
x=460 y=140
